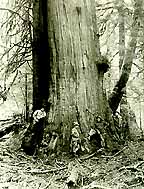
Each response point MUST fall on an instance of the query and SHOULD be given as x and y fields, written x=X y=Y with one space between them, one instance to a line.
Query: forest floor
x=122 y=170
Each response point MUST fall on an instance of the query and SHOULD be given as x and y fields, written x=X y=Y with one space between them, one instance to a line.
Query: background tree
x=119 y=88
x=119 y=12
x=124 y=109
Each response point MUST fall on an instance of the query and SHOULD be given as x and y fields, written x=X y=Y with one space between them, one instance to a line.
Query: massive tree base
x=39 y=138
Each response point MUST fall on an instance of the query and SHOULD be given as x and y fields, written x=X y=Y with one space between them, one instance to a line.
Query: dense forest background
x=72 y=90
x=13 y=41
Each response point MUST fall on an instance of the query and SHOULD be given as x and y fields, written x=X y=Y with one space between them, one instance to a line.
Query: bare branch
x=13 y=12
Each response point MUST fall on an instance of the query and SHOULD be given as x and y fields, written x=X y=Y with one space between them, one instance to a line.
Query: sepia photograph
x=71 y=94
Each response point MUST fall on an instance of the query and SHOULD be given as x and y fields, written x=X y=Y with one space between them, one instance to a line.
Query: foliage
x=18 y=36
x=16 y=57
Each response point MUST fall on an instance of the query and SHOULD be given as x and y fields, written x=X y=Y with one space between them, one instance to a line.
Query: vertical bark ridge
x=76 y=42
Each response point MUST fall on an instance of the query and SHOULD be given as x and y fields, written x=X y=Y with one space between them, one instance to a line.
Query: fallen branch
x=36 y=171
x=93 y=185
x=119 y=152
x=9 y=129
x=138 y=164
x=5 y=120
x=88 y=157
x=132 y=168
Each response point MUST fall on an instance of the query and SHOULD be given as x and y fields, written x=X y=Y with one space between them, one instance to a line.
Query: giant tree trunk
x=75 y=92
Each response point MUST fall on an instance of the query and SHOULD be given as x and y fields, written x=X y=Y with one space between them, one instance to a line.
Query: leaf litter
x=122 y=170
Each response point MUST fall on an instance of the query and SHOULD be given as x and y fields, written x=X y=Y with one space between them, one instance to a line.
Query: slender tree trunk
x=119 y=89
x=121 y=34
x=123 y=103
x=26 y=99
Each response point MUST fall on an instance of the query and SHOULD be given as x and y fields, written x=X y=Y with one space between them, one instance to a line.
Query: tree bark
x=124 y=108
x=119 y=89
x=121 y=34
x=72 y=84
x=77 y=79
